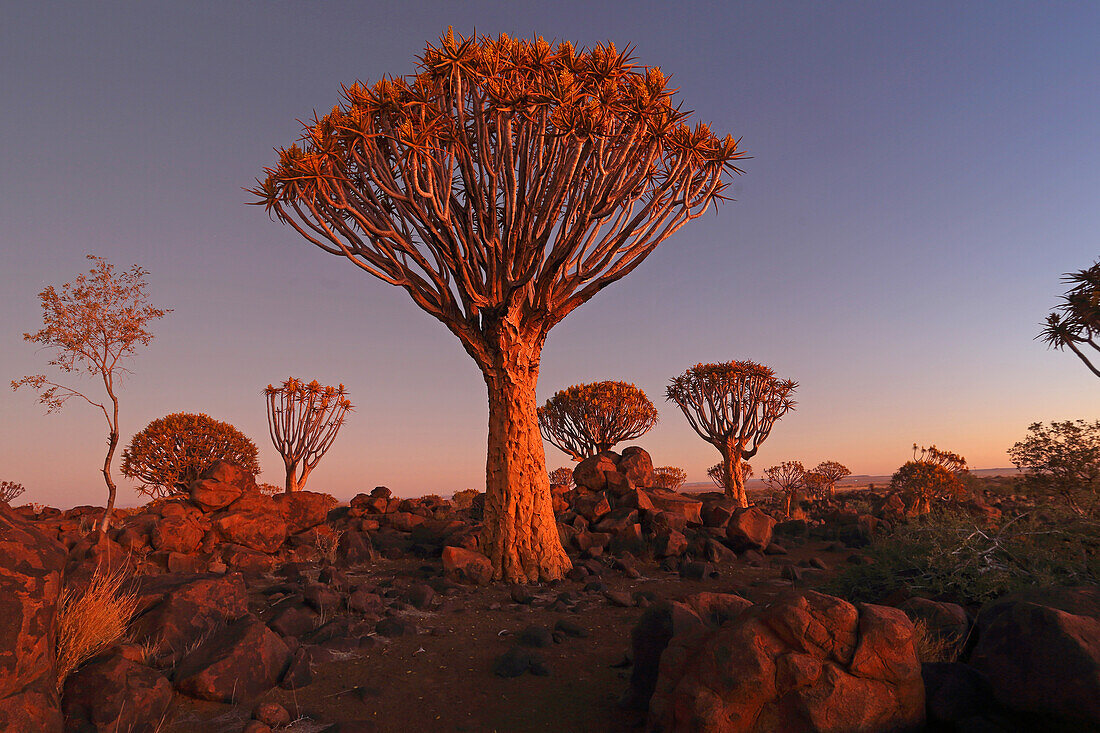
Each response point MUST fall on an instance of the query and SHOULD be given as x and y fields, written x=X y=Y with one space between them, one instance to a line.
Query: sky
x=921 y=176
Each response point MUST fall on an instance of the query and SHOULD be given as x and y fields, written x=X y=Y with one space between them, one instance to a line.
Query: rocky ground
x=682 y=612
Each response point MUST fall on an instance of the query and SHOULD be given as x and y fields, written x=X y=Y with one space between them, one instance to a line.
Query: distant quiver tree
x=586 y=419
x=503 y=185
x=732 y=406
x=787 y=478
x=170 y=452
x=827 y=474
x=10 y=491
x=94 y=325
x=303 y=420
x=1075 y=322
x=669 y=477
x=561 y=477
x=718 y=476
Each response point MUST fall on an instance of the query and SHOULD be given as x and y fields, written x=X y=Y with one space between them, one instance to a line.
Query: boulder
x=592 y=506
x=637 y=466
x=177 y=534
x=261 y=531
x=467 y=566
x=806 y=661
x=717 y=512
x=31 y=566
x=749 y=529
x=948 y=621
x=185 y=608
x=590 y=473
x=115 y=693
x=354 y=548
x=690 y=508
x=240 y=661
x=220 y=485
x=1041 y=653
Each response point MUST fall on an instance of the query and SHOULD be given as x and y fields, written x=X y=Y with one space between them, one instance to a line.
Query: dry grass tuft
x=329 y=544
x=92 y=619
x=931 y=647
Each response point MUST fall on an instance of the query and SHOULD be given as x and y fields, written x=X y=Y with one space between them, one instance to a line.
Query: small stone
x=618 y=598
x=535 y=636
x=570 y=629
x=256 y=726
x=272 y=714
x=512 y=663
x=522 y=594
x=391 y=627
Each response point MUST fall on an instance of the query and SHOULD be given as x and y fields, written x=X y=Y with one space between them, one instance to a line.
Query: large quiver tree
x=503 y=185
x=586 y=419
x=732 y=406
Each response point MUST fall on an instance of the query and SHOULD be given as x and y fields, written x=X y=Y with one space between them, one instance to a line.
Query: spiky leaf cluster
x=10 y=491
x=1075 y=322
x=585 y=419
x=170 y=452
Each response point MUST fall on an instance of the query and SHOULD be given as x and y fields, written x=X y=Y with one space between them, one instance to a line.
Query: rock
x=114 y=693
x=246 y=560
x=1041 y=652
x=304 y=509
x=592 y=506
x=177 y=534
x=518 y=660
x=238 y=662
x=695 y=570
x=749 y=529
x=617 y=520
x=272 y=714
x=467 y=566
x=31 y=566
x=188 y=608
x=618 y=598
x=806 y=661
x=690 y=508
x=321 y=598
x=362 y=600
x=521 y=594
x=391 y=627
x=255 y=726
x=261 y=531
x=636 y=466
x=955 y=692
x=570 y=629
x=717 y=512
x=535 y=636
x=948 y=621
x=636 y=499
x=220 y=485
x=299 y=673
x=591 y=473
x=419 y=596
x=294 y=620
x=669 y=543
x=355 y=548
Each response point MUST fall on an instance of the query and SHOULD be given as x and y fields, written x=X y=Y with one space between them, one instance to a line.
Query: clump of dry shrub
x=91 y=619
x=933 y=647
x=463 y=500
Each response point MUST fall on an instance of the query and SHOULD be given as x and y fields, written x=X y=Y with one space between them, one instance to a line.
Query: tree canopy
x=1075 y=322
x=585 y=419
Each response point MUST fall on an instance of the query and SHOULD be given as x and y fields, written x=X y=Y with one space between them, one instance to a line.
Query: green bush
x=170 y=453
x=946 y=554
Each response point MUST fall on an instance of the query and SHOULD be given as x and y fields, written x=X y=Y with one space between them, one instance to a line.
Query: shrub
x=946 y=554
x=669 y=477
x=270 y=489
x=171 y=452
x=10 y=491
x=1062 y=460
x=921 y=482
x=463 y=500
x=92 y=619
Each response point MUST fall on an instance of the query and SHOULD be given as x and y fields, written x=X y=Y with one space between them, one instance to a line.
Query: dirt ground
x=441 y=678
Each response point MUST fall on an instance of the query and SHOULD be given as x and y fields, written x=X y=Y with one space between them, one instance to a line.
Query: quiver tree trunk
x=734 y=477
x=519 y=533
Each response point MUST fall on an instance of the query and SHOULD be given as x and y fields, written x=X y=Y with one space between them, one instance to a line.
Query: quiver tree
x=669 y=477
x=718 y=476
x=561 y=477
x=953 y=462
x=94 y=325
x=1075 y=322
x=586 y=419
x=786 y=478
x=170 y=452
x=827 y=474
x=732 y=406
x=502 y=186
x=922 y=482
x=10 y=491
x=303 y=420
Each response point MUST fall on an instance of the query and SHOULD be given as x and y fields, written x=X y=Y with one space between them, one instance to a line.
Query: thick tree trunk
x=519 y=533
x=291 y=477
x=734 y=478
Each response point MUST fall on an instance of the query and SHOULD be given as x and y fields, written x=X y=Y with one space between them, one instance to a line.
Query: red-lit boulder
x=182 y=609
x=806 y=661
x=262 y=531
x=177 y=534
x=220 y=485
x=591 y=473
x=239 y=661
x=116 y=693
x=31 y=566
x=749 y=529
x=467 y=566
x=304 y=509
x=637 y=466
x=687 y=507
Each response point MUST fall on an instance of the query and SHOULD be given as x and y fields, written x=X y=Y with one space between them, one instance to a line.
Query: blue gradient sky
x=922 y=175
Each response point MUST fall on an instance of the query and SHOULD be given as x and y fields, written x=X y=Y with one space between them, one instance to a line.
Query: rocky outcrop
x=116 y=692
x=239 y=661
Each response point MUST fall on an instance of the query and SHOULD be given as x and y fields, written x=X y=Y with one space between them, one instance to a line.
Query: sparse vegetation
x=733 y=406
x=464 y=499
x=933 y=647
x=10 y=491
x=947 y=554
x=303 y=420
x=561 y=477
x=586 y=419
x=170 y=452
x=1062 y=459
x=669 y=477
x=94 y=325
x=92 y=618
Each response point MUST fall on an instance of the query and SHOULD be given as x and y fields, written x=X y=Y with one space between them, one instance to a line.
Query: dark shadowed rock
x=187 y=608
x=115 y=693
x=238 y=662
x=948 y=621
x=355 y=548
x=636 y=466
x=272 y=714
x=31 y=566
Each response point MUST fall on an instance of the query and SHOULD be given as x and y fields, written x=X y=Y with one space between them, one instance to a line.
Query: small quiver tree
x=826 y=475
x=786 y=478
x=561 y=477
x=170 y=452
x=502 y=186
x=717 y=475
x=1075 y=322
x=1062 y=459
x=669 y=477
x=94 y=324
x=586 y=419
x=303 y=420
x=10 y=491
x=922 y=482
x=732 y=406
